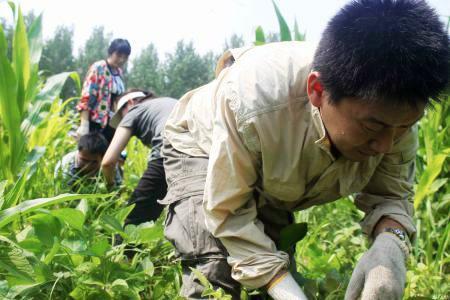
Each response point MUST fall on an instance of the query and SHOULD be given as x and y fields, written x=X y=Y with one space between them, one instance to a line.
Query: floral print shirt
x=96 y=93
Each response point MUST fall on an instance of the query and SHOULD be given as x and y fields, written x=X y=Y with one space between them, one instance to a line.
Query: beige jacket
x=259 y=130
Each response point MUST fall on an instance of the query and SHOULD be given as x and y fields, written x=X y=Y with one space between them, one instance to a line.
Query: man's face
x=359 y=129
x=88 y=163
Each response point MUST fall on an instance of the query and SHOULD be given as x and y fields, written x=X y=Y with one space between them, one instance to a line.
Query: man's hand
x=284 y=287
x=381 y=271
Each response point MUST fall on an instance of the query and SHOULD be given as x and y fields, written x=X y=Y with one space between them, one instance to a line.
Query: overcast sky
x=163 y=22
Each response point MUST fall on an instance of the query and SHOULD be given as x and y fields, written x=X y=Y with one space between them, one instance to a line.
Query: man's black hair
x=120 y=46
x=94 y=143
x=394 y=51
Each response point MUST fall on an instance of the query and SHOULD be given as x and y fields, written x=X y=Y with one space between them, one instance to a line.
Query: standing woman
x=102 y=86
x=141 y=114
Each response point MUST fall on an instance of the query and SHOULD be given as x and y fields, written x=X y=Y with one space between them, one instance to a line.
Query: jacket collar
x=323 y=142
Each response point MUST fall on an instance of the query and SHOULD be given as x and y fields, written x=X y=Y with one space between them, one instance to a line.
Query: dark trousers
x=151 y=187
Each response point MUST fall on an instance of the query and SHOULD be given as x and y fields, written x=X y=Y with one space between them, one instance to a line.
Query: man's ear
x=315 y=90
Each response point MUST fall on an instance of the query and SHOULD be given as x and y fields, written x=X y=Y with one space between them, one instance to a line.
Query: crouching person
x=291 y=125
x=81 y=167
x=141 y=114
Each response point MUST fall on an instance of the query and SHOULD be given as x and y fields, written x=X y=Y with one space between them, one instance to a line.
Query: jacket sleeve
x=389 y=192
x=229 y=205
x=90 y=90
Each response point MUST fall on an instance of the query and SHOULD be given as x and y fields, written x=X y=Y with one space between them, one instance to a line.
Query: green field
x=59 y=245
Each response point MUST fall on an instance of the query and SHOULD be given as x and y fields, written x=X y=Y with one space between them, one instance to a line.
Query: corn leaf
x=25 y=207
x=260 y=38
x=285 y=32
x=35 y=41
x=3 y=42
x=16 y=192
x=424 y=187
x=10 y=118
x=54 y=85
x=21 y=61
x=297 y=35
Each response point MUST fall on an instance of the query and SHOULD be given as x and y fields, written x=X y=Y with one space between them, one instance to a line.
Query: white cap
x=117 y=117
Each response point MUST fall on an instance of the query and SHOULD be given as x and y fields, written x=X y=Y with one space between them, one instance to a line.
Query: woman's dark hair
x=148 y=94
x=394 y=51
x=120 y=46
x=94 y=143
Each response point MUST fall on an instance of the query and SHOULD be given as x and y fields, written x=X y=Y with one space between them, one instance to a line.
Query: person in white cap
x=141 y=114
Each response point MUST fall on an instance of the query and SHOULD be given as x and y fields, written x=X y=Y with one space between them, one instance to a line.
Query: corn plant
x=285 y=31
x=25 y=98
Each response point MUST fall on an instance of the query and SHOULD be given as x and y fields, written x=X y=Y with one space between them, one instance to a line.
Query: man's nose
x=383 y=142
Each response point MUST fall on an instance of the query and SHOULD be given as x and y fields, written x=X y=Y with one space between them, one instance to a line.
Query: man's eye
x=373 y=128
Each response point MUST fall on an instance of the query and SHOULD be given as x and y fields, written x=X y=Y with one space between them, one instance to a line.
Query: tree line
x=179 y=71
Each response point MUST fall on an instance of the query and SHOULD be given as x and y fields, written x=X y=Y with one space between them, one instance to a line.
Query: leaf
x=291 y=234
x=122 y=284
x=49 y=257
x=47 y=228
x=149 y=232
x=260 y=38
x=148 y=266
x=10 y=214
x=13 y=7
x=111 y=224
x=13 y=260
x=202 y=278
x=3 y=42
x=122 y=214
x=75 y=245
x=35 y=40
x=15 y=194
x=21 y=61
x=285 y=32
x=437 y=184
x=78 y=293
x=73 y=217
x=430 y=173
x=297 y=35
x=53 y=86
x=76 y=79
x=83 y=206
x=100 y=247
x=10 y=114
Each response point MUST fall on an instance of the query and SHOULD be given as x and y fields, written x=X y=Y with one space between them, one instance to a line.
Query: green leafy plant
x=285 y=32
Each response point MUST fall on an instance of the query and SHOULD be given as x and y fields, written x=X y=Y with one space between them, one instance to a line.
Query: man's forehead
x=86 y=155
x=388 y=115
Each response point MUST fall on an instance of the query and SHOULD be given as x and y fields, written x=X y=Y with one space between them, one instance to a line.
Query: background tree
x=57 y=55
x=95 y=48
x=235 y=41
x=146 y=71
x=185 y=70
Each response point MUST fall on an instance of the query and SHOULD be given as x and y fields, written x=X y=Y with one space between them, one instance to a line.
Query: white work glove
x=286 y=288
x=381 y=271
x=83 y=129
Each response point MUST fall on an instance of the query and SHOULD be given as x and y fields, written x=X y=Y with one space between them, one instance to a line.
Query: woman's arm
x=83 y=129
x=118 y=143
